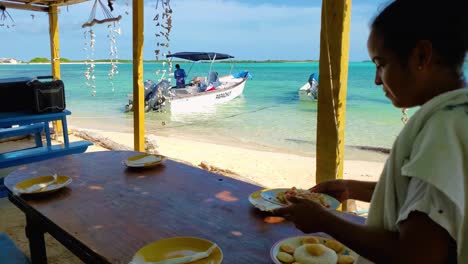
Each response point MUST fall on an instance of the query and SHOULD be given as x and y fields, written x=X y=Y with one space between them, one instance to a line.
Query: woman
x=417 y=212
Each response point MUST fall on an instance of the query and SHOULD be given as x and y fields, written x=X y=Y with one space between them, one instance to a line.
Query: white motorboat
x=309 y=91
x=199 y=93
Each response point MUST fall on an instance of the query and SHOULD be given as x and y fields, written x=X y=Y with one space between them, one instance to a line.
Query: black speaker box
x=31 y=95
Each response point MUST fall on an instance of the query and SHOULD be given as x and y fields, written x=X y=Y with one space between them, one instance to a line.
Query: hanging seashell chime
x=113 y=31
x=163 y=30
x=89 y=61
x=6 y=20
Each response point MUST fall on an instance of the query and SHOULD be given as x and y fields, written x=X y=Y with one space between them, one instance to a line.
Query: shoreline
x=271 y=169
x=355 y=152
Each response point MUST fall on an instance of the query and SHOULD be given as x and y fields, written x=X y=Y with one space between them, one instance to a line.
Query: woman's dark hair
x=177 y=66
x=444 y=23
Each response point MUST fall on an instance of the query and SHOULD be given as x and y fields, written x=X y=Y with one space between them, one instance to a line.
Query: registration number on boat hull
x=222 y=95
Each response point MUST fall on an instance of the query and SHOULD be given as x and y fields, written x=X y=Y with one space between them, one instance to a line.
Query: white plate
x=297 y=241
x=261 y=203
x=271 y=194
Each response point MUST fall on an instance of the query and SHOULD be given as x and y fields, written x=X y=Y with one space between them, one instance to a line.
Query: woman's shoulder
x=450 y=116
x=444 y=105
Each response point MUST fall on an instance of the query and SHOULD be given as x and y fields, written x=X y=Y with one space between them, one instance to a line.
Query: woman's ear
x=422 y=54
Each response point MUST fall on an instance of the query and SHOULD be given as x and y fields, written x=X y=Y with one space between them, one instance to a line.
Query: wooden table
x=109 y=212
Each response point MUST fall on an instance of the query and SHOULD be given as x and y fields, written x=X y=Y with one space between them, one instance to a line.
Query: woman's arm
x=361 y=190
x=420 y=240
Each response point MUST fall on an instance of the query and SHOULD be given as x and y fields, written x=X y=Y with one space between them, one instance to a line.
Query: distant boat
x=200 y=92
x=309 y=91
x=9 y=61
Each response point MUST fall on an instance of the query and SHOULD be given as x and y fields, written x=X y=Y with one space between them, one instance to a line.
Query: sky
x=246 y=29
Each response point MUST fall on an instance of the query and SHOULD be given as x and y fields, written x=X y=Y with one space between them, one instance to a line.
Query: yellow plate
x=131 y=161
x=177 y=247
x=297 y=241
x=61 y=182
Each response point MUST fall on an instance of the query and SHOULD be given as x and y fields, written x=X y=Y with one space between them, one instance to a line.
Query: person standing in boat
x=312 y=79
x=313 y=89
x=179 y=75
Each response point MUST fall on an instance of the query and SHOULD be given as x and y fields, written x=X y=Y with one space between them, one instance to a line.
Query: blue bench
x=35 y=129
x=28 y=123
x=9 y=253
x=23 y=156
x=3 y=190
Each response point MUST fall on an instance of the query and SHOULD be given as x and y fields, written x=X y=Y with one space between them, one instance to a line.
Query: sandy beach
x=269 y=169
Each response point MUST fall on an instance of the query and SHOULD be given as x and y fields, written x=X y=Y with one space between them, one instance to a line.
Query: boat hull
x=200 y=101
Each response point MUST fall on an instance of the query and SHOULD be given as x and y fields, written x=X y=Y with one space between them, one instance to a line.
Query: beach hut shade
x=37 y=5
x=334 y=54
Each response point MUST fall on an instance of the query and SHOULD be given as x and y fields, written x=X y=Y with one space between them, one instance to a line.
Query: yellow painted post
x=334 y=56
x=54 y=41
x=138 y=90
x=55 y=55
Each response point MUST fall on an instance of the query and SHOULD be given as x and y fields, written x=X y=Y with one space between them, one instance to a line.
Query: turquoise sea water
x=268 y=114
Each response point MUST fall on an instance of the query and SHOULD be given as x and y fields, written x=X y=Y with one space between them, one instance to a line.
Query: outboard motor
x=154 y=95
x=314 y=89
x=157 y=96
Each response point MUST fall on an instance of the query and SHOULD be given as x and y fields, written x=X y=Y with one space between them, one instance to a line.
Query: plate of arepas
x=311 y=250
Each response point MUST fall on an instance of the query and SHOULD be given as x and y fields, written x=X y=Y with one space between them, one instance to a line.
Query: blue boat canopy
x=198 y=56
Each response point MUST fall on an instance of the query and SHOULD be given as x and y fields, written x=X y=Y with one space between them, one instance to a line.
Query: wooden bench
x=35 y=129
x=23 y=156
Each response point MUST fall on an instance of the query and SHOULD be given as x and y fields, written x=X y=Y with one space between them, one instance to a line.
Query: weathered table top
x=114 y=211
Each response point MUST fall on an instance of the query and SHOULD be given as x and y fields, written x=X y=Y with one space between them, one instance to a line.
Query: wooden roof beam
x=17 y=1
x=25 y=7
x=33 y=2
x=66 y=2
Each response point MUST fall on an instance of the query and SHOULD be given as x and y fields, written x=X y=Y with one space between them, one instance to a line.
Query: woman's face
x=397 y=80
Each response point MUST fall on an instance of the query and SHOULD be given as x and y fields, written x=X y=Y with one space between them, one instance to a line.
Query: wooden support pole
x=55 y=55
x=334 y=56
x=54 y=42
x=138 y=89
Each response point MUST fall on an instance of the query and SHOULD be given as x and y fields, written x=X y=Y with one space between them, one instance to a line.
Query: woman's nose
x=378 y=80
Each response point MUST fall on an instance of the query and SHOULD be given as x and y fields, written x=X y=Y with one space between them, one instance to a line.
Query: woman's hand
x=306 y=215
x=339 y=189
x=346 y=189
